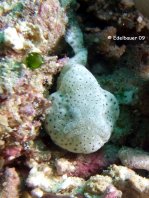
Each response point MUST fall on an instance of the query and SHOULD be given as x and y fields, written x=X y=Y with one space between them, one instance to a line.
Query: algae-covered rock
x=31 y=26
x=22 y=103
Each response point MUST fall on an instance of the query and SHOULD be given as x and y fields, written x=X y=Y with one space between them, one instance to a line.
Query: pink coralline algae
x=87 y=165
x=112 y=192
x=12 y=152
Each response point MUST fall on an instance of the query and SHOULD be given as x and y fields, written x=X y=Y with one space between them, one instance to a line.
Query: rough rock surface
x=134 y=158
x=28 y=26
x=9 y=183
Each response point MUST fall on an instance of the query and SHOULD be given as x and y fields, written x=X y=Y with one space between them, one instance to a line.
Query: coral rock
x=42 y=180
x=23 y=103
x=31 y=26
x=134 y=158
x=9 y=184
x=112 y=192
x=131 y=184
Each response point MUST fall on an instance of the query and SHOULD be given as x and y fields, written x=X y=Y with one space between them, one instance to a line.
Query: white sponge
x=82 y=115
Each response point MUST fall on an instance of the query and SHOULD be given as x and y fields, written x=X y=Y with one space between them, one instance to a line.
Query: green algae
x=34 y=60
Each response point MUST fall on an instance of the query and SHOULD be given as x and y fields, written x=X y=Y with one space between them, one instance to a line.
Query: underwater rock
x=23 y=103
x=9 y=183
x=101 y=186
x=72 y=170
x=37 y=152
x=143 y=6
x=134 y=158
x=99 y=41
x=127 y=3
x=87 y=165
x=30 y=26
x=115 y=182
x=64 y=166
x=127 y=181
x=42 y=180
x=97 y=184
x=107 y=13
x=112 y=192
x=122 y=181
x=82 y=114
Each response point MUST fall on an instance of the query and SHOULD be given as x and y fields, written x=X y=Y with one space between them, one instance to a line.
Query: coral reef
x=131 y=184
x=86 y=165
x=43 y=180
x=9 y=183
x=27 y=34
x=23 y=103
x=123 y=15
x=65 y=174
x=103 y=45
x=124 y=182
x=29 y=26
x=117 y=181
x=101 y=186
x=134 y=158
x=108 y=19
x=61 y=132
